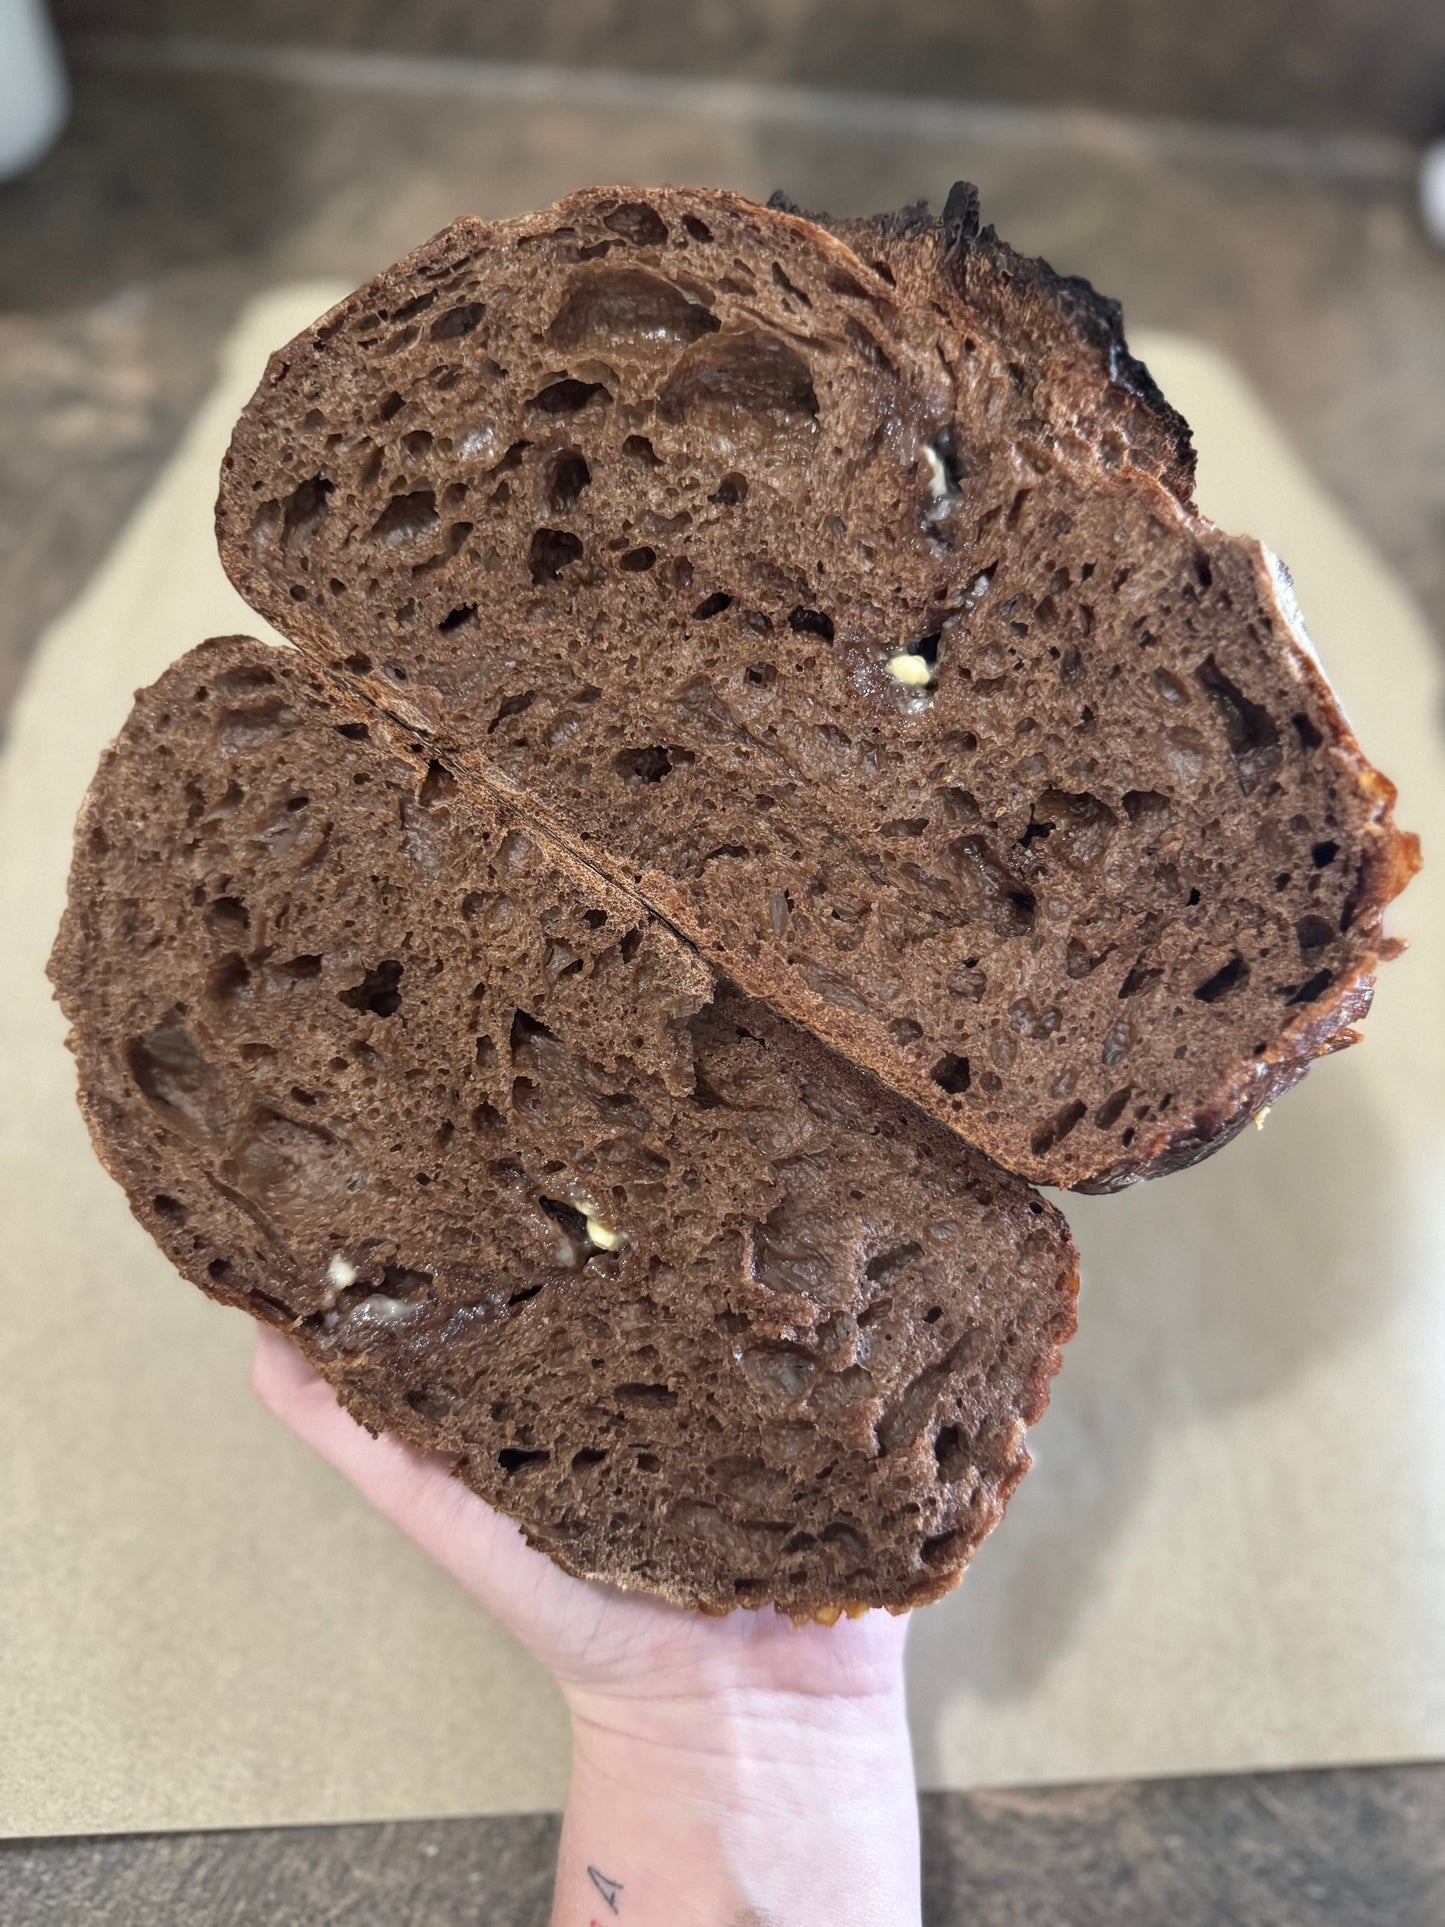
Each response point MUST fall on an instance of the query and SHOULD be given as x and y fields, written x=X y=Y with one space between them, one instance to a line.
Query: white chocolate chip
x=938 y=483
x=601 y=1235
x=341 y=1272
x=378 y=1309
x=478 y=444
x=912 y=671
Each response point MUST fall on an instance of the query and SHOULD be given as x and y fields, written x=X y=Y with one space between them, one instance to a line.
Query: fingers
x=478 y=1546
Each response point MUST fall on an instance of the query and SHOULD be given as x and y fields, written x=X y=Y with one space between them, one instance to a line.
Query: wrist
x=750 y=1804
x=763 y=1775
x=739 y=1736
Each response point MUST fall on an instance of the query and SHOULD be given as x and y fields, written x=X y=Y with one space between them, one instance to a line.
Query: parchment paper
x=1230 y=1553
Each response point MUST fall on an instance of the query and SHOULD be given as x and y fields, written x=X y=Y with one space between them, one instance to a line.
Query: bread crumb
x=1260 y=1116
x=912 y=671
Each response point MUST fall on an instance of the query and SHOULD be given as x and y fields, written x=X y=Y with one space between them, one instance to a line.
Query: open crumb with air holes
x=839 y=590
x=701 y=1306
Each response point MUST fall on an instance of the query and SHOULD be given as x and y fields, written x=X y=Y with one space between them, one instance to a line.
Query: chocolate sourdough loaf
x=840 y=595
x=698 y=1303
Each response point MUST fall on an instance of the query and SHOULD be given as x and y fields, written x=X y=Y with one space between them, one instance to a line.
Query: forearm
x=756 y=1808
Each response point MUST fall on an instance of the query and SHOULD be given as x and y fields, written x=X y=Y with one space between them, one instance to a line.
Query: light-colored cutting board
x=1231 y=1552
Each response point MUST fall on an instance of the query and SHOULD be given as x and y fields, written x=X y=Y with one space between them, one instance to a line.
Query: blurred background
x=1247 y=172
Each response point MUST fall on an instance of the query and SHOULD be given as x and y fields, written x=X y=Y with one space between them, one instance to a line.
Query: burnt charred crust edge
x=1097 y=320
x=1254 y=1088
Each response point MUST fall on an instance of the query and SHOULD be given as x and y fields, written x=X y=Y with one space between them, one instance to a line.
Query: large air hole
x=740 y=381
x=1148 y=811
x=228 y=979
x=1056 y=1128
x=567 y=396
x=788 y=287
x=811 y=622
x=951 y=1073
x=951 y=1450
x=944 y=1549
x=552 y=551
x=407 y=519
x=888 y=1262
x=178 y=1083
x=438 y=786
x=572 y=1221
x=527 y=1030
x=378 y=992
x=227 y=916
x=1249 y=729
x=512 y=706
x=1112 y=1108
x=1140 y=976
x=457 y=322
x=627 y=307
x=1231 y=976
x=257 y=723
x=648 y=765
x=1313 y=988
x=305 y=511
x=568 y=476
x=638 y=223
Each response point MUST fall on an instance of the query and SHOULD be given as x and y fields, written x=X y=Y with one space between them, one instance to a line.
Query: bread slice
x=840 y=595
x=700 y=1305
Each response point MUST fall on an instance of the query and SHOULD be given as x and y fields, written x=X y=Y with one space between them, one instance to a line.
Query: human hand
x=760 y=1764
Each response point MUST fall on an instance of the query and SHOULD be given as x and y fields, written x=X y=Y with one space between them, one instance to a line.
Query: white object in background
x=34 y=97
x=1432 y=191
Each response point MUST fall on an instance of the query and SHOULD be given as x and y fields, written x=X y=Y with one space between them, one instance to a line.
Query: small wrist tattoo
x=609 y=1889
